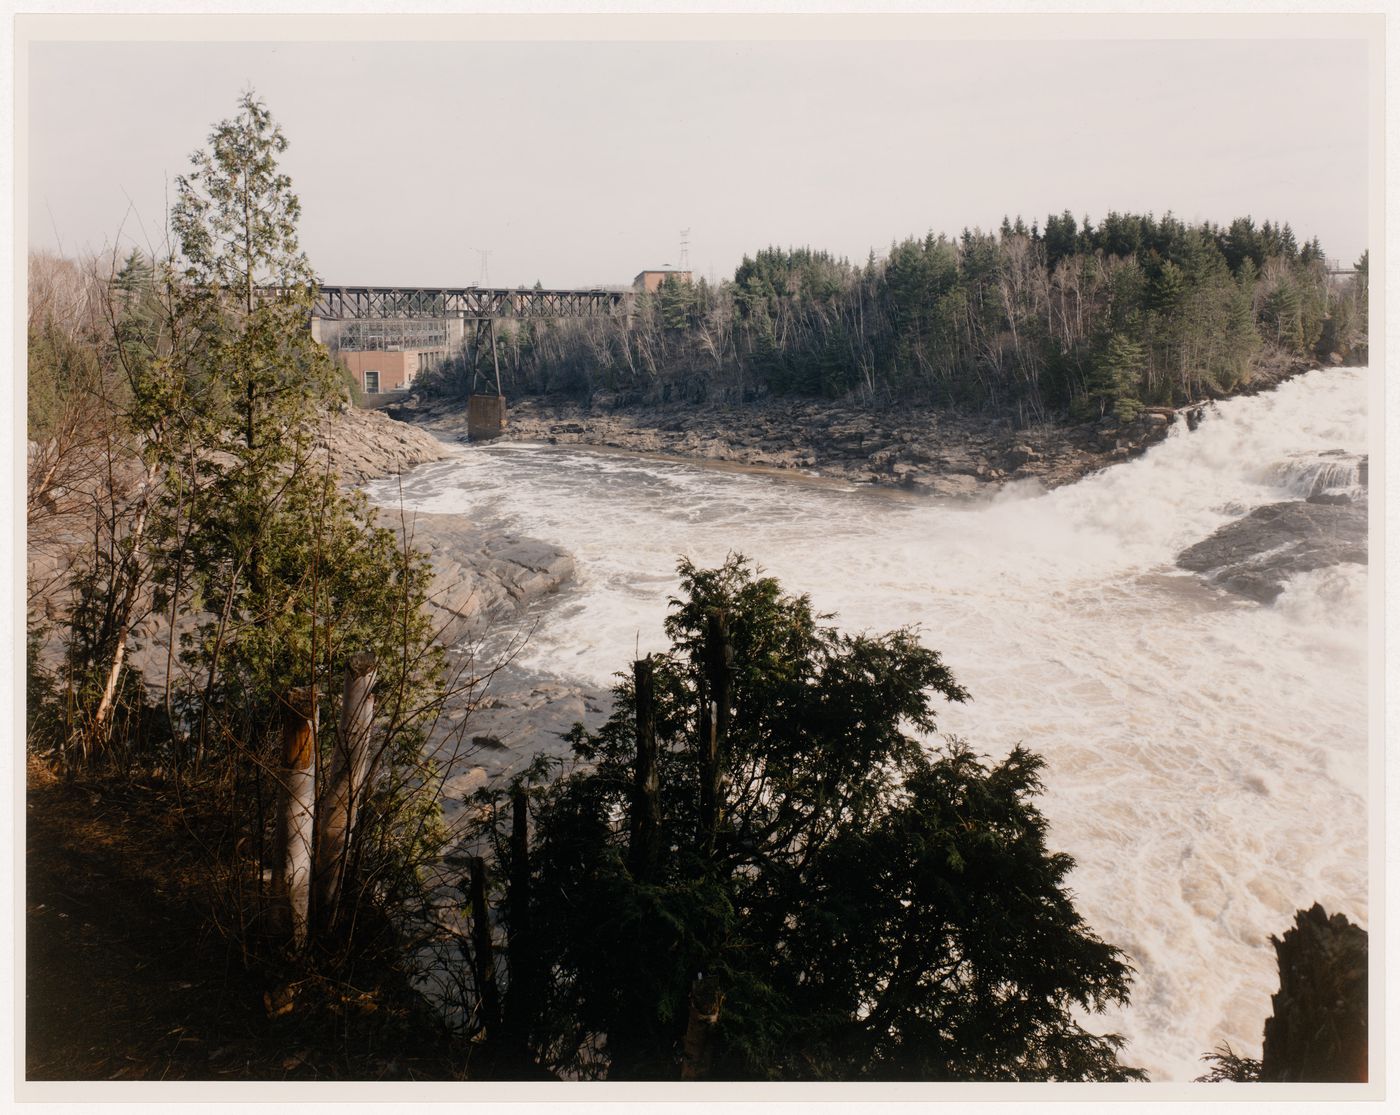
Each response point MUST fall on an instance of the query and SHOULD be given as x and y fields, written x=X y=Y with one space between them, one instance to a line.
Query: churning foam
x=1206 y=755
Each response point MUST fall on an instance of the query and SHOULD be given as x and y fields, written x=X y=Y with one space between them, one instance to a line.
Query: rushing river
x=1206 y=755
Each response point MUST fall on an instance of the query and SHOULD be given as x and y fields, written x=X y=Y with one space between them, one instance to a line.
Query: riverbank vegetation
x=1076 y=320
x=176 y=489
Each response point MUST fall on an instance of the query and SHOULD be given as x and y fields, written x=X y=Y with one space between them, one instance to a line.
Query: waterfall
x=1207 y=761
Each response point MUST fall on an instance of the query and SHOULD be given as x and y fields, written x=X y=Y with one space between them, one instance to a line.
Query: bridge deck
x=361 y=302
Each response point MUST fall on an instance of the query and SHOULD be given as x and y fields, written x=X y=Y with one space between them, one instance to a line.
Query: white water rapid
x=1206 y=755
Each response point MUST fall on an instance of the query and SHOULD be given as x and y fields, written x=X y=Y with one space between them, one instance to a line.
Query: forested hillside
x=1073 y=319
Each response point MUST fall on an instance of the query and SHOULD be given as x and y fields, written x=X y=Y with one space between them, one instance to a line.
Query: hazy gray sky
x=579 y=163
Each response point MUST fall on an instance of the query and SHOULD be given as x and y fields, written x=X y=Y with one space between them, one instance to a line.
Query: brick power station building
x=386 y=356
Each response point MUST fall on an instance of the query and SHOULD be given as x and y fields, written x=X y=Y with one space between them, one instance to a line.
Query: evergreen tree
x=806 y=891
x=290 y=576
x=249 y=288
x=1281 y=316
x=1115 y=381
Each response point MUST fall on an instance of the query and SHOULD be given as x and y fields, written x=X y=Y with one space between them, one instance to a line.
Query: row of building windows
x=392 y=335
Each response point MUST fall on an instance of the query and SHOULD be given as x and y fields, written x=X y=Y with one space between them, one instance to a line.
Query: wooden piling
x=719 y=665
x=483 y=960
x=521 y=1001
x=706 y=996
x=706 y=1001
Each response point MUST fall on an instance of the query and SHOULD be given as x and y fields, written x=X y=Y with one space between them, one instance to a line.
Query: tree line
x=1073 y=319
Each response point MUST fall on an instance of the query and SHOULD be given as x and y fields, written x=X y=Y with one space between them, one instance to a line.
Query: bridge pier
x=486 y=417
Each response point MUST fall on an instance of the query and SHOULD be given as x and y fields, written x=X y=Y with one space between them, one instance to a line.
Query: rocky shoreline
x=481 y=576
x=367 y=444
x=486 y=579
x=917 y=448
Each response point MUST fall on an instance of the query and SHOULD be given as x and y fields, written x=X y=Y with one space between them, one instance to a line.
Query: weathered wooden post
x=645 y=835
x=344 y=785
x=483 y=961
x=291 y=877
x=706 y=999
x=706 y=996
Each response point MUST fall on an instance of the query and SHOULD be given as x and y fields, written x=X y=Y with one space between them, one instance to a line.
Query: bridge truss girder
x=341 y=303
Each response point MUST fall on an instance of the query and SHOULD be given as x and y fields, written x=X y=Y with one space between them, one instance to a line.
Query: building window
x=371 y=383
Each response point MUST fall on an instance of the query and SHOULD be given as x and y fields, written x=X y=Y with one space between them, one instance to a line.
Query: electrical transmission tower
x=685 y=249
x=485 y=254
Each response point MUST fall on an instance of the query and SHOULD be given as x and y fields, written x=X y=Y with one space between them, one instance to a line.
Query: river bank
x=481 y=573
x=918 y=448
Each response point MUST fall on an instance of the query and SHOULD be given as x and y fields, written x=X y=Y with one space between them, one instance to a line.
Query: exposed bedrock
x=1254 y=556
x=480 y=575
x=365 y=444
x=918 y=448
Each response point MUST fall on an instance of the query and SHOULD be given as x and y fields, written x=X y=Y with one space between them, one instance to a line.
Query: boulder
x=1017 y=456
x=1318 y=1030
x=1255 y=555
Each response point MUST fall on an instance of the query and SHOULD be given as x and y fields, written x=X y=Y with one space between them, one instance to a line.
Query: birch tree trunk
x=131 y=574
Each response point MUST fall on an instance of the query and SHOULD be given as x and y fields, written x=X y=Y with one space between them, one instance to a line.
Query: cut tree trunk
x=344 y=785
x=719 y=667
x=483 y=959
x=705 y=1002
x=645 y=835
x=521 y=1002
x=291 y=880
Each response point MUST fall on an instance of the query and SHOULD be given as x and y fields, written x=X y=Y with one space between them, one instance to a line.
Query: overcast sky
x=580 y=163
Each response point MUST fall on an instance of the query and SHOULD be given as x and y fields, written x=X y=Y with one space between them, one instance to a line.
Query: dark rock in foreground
x=1253 y=556
x=1318 y=1030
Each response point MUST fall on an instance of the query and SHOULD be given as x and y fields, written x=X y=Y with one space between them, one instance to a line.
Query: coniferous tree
x=289 y=576
x=826 y=898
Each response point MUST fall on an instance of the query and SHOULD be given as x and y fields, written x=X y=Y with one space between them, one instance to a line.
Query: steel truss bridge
x=360 y=303
x=482 y=306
